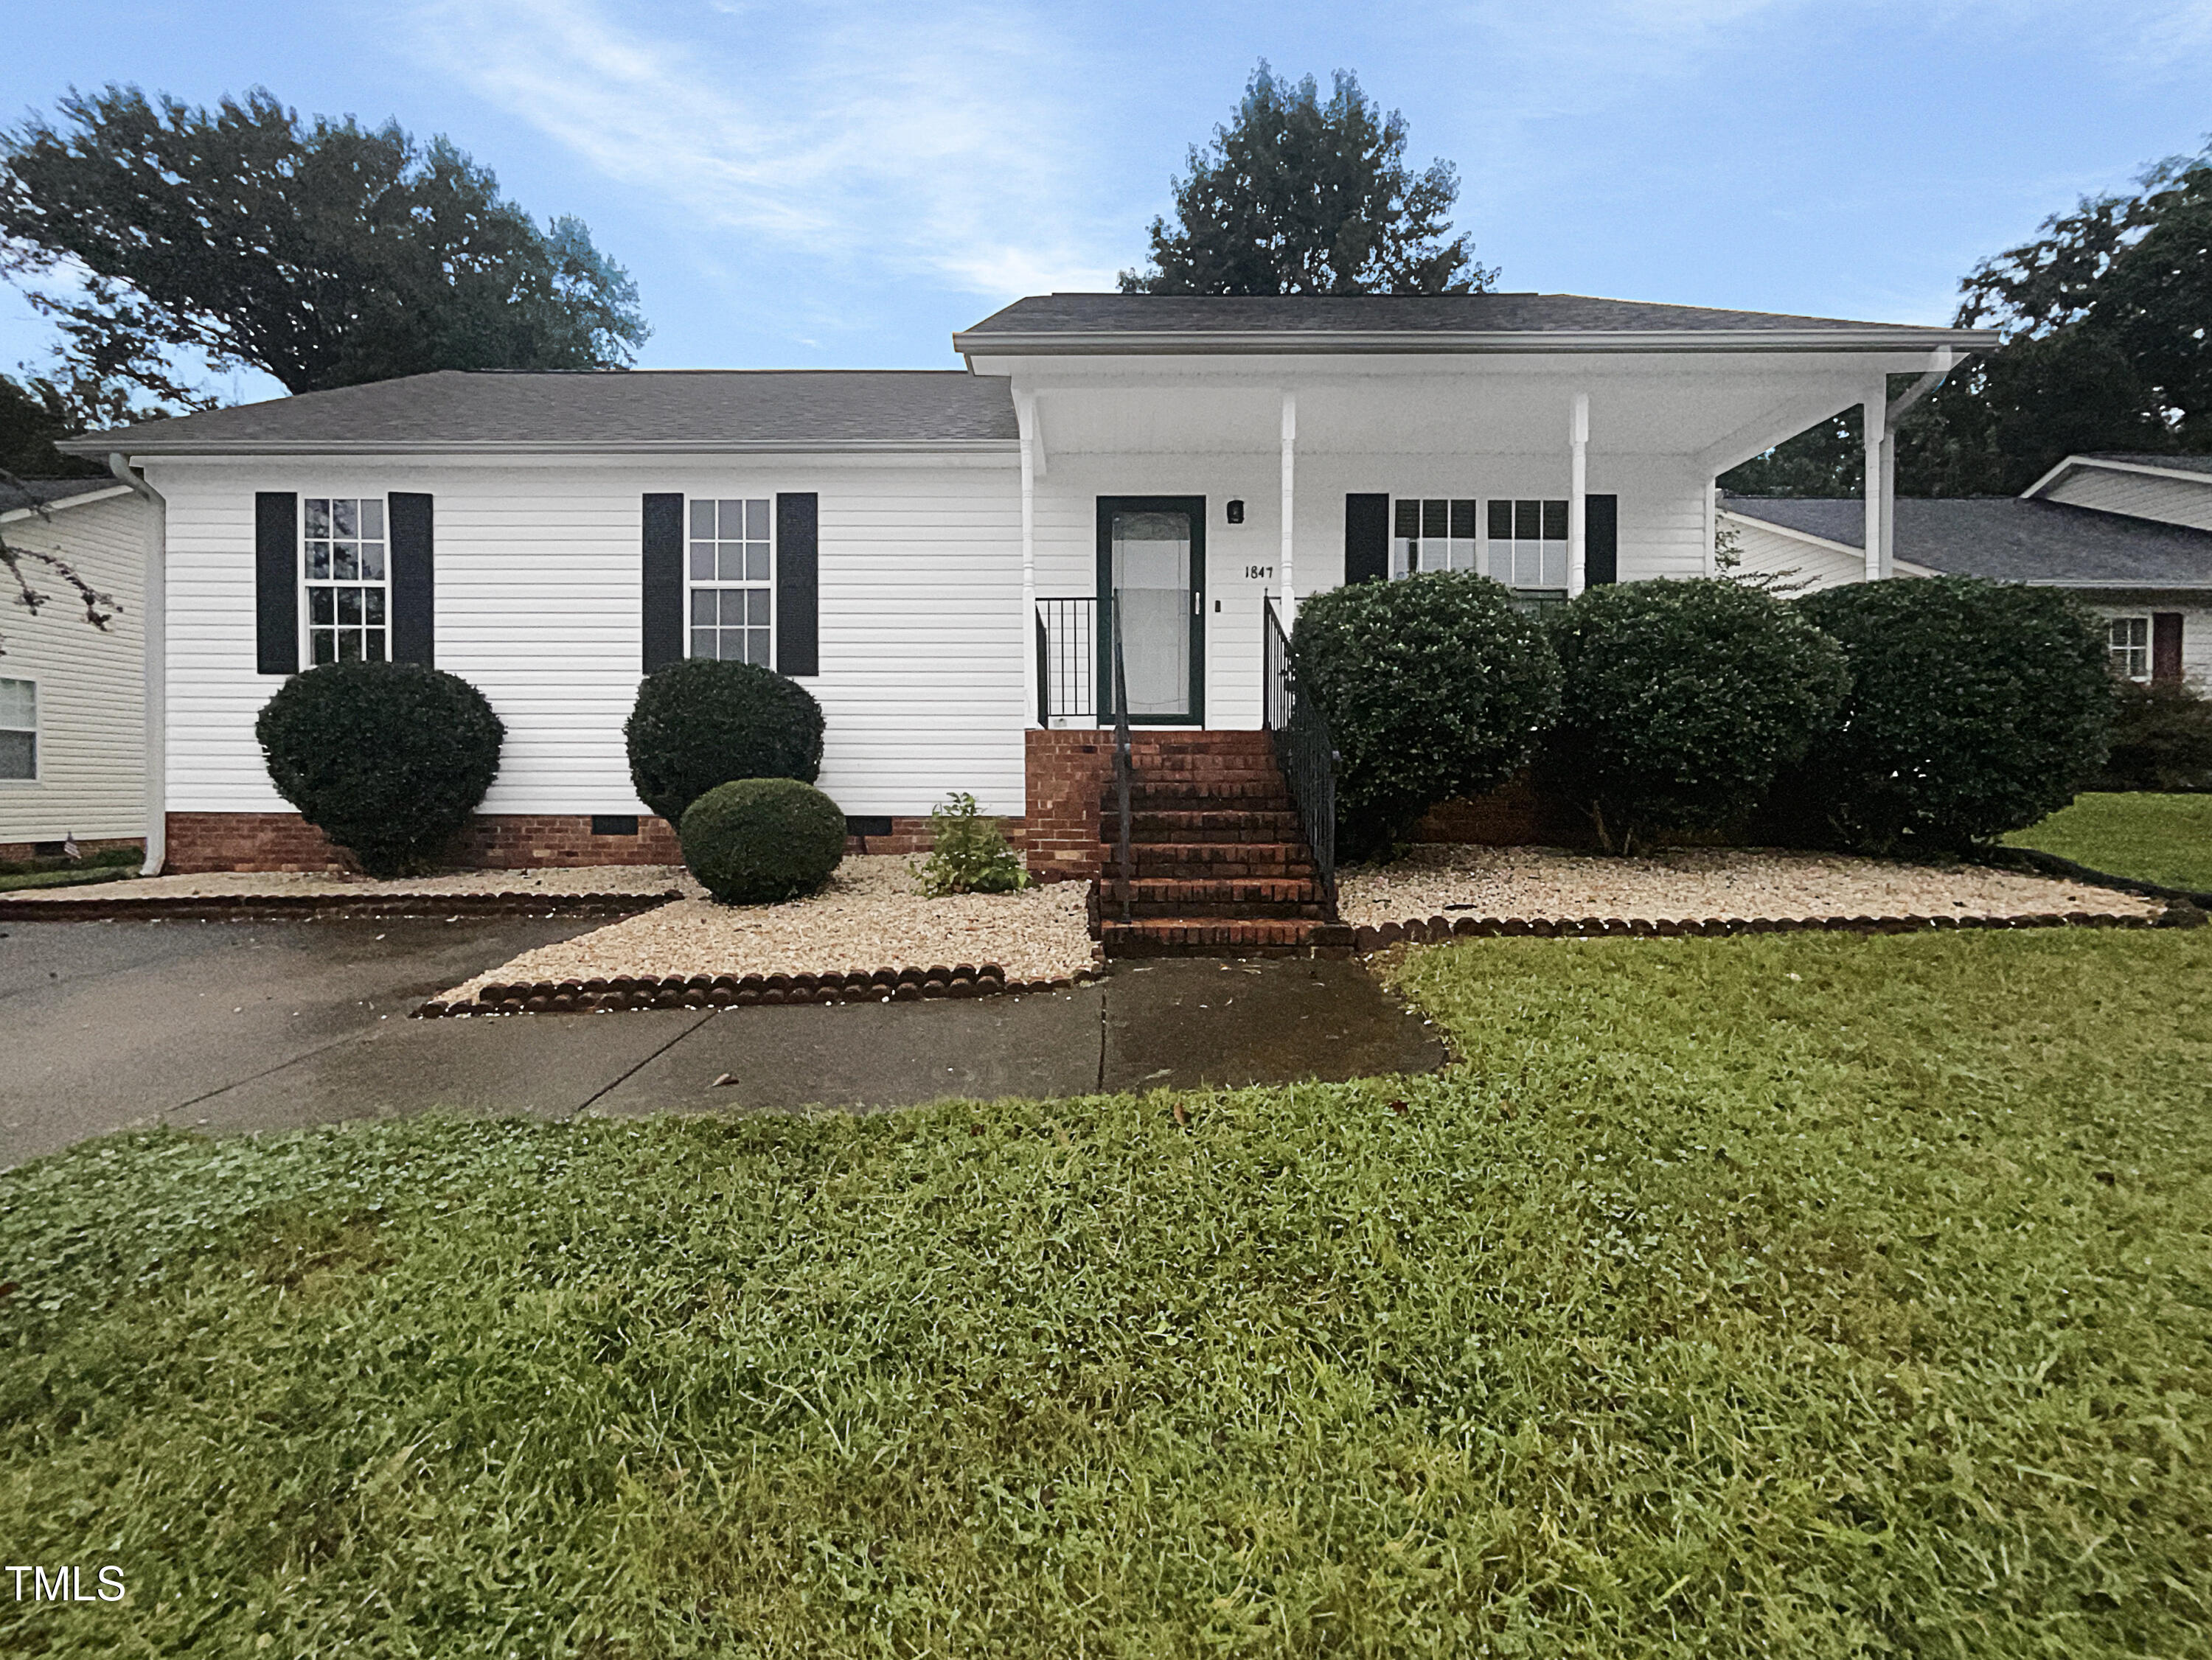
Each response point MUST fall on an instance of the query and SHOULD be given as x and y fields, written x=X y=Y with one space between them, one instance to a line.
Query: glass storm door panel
x=1152 y=563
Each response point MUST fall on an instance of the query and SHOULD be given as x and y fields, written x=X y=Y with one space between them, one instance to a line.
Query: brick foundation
x=1067 y=772
x=18 y=852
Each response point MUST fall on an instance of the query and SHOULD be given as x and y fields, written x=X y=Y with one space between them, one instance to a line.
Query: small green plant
x=971 y=854
x=754 y=841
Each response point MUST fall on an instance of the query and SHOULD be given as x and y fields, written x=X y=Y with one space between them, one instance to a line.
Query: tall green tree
x=325 y=254
x=1297 y=195
x=33 y=414
x=2106 y=319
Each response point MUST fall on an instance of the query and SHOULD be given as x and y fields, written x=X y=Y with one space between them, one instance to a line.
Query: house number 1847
x=1259 y=572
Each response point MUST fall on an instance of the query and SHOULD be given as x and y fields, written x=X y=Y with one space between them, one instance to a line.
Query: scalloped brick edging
x=621 y=991
x=266 y=907
x=1430 y=930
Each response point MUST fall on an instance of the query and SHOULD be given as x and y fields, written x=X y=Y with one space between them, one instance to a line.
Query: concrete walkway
x=244 y=1025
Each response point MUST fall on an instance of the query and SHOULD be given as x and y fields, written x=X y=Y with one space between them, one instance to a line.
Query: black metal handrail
x=1111 y=615
x=1067 y=659
x=1304 y=750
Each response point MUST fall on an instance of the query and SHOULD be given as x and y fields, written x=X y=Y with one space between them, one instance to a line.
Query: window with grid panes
x=1432 y=533
x=2129 y=640
x=1528 y=544
x=19 y=730
x=346 y=580
x=732 y=566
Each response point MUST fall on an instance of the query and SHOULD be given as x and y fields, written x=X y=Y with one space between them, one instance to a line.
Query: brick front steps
x=621 y=991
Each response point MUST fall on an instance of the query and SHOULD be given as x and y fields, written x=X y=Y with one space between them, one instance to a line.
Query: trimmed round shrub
x=1679 y=702
x=754 y=841
x=387 y=759
x=2161 y=739
x=1435 y=687
x=1976 y=707
x=702 y=722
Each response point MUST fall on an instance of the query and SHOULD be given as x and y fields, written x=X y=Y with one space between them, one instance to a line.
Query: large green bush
x=1435 y=687
x=1975 y=708
x=2161 y=739
x=703 y=722
x=753 y=841
x=387 y=759
x=1680 y=701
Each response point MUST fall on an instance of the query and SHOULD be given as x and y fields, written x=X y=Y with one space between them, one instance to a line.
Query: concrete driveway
x=262 y=1025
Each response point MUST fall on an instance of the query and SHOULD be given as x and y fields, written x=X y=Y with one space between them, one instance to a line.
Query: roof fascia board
x=1826 y=543
x=251 y=448
x=2146 y=468
x=995 y=459
x=104 y=492
x=1309 y=342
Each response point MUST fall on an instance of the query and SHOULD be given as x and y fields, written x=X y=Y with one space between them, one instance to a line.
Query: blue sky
x=797 y=183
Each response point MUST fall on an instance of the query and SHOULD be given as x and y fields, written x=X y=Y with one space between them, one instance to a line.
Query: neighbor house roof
x=624 y=411
x=1118 y=322
x=2173 y=463
x=2007 y=539
x=27 y=496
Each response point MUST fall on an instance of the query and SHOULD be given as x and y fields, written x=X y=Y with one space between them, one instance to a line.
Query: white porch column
x=1889 y=500
x=1873 y=410
x=1289 y=560
x=1577 y=504
x=1025 y=419
x=1712 y=526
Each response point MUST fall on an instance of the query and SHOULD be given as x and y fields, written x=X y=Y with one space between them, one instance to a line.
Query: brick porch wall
x=1067 y=772
x=490 y=841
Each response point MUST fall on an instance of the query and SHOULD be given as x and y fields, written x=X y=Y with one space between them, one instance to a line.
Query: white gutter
x=153 y=617
x=1135 y=342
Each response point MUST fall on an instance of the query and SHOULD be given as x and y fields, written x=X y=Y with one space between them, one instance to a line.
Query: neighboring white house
x=928 y=551
x=2131 y=534
x=72 y=698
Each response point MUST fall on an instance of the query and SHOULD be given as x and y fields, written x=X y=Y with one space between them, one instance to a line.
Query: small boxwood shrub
x=2161 y=739
x=753 y=841
x=971 y=854
x=1434 y=687
x=1975 y=708
x=1680 y=701
x=701 y=722
x=387 y=759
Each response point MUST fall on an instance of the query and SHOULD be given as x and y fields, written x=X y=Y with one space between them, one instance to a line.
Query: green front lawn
x=2153 y=838
x=1798 y=1295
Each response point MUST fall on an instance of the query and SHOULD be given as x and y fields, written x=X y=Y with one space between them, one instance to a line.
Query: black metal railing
x=1067 y=659
x=1110 y=614
x=1304 y=750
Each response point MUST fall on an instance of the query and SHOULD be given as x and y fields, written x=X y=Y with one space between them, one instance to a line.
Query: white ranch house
x=925 y=550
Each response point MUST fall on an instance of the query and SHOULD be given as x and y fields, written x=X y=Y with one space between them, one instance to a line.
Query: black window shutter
x=2166 y=646
x=1366 y=538
x=276 y=582
x=414 y=584
x=663 y=567
x=1600 y=540
x=798 y=584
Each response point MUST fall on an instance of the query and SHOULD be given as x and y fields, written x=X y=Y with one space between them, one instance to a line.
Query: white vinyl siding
x=91 y=703
x=920 y=629
x=2140 y=495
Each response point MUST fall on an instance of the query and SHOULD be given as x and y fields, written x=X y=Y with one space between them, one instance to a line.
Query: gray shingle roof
x=1471 y=321
x=2009 y=540
x=640 y=411
x=51 y=491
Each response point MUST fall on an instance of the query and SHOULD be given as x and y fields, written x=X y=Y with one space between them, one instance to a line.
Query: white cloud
x=928 y=146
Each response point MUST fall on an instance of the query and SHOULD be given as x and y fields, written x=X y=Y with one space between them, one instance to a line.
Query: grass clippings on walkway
x=2163 y=839
x=1801 y=1295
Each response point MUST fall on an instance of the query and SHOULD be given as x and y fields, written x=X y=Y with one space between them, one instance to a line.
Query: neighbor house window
x=1433 y=533
x=1528 y=545
x=732 y=560
x=19 y=729
x=2129 y=638
x=346 y=580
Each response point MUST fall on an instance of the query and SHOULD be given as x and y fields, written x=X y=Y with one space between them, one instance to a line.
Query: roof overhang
x=243 y=449
x=2149 y=469
x=95 y=491
x=1068 y=342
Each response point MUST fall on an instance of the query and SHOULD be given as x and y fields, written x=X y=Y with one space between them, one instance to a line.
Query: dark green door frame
x=1194 y=507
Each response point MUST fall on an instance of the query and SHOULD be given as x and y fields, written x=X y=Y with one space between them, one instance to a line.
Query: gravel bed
x=1697 y=882
x=614 y=879
x=870 y=915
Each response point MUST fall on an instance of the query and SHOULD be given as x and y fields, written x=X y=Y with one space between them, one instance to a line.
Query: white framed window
x=1432 y=533
x=1528 y=544
x=18 y=731
x=346 y=594
x=732 y=580
x=2129 y=640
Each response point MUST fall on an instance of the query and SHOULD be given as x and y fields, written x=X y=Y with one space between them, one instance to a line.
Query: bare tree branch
x=100 y=608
